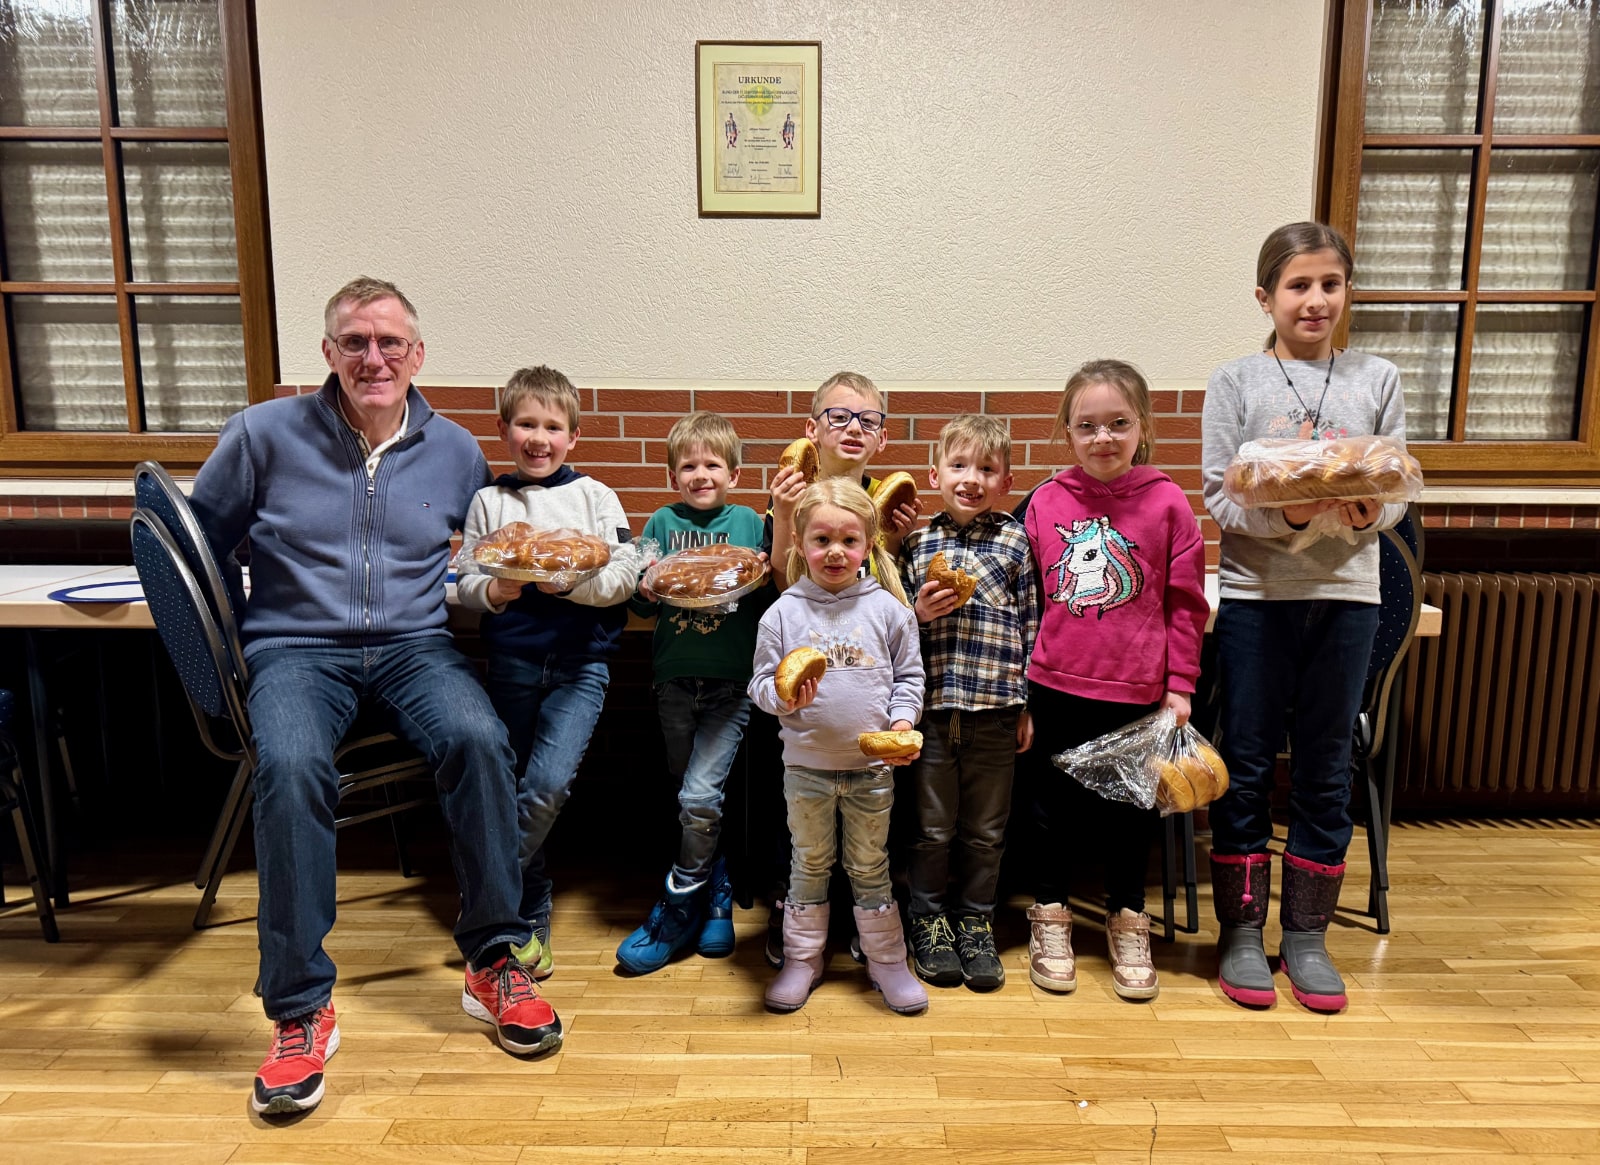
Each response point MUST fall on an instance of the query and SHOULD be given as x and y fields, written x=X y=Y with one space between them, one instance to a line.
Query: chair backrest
x=155 y=491
x=1400 y=605
x=193 y=640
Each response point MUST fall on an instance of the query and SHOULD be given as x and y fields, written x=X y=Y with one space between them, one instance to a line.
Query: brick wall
x=624 y=432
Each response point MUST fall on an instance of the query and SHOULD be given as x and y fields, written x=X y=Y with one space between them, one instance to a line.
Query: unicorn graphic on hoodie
x=1096 y=568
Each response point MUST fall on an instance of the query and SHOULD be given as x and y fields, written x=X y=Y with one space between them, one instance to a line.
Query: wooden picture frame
x=758 y=128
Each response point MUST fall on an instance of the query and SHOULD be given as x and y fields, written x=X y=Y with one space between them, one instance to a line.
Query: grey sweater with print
x=1249 y=399
x=874 y=672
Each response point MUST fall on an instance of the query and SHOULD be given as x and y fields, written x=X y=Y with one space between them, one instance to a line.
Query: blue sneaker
x=716 y=935
x=673 y=924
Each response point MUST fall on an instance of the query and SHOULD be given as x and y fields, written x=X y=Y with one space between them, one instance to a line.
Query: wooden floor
x=1473 y=1034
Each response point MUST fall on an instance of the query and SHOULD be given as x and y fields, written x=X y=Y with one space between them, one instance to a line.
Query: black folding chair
x=1400 y=584
x=1177 y=858
x=216 y=688
x=14 y=800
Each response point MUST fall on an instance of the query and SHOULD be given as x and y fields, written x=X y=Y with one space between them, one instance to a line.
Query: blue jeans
x=1309 y=655
x=703 y=722
x=861 y=799
x=302 y=702
x=549 y=709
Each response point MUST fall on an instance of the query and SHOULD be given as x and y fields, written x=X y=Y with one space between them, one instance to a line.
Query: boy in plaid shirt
x=975 y=717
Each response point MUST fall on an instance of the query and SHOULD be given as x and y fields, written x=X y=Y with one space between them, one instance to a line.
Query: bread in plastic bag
x=714 y=576
x=1276 y=473
x=1151 y=763
x=523 y=553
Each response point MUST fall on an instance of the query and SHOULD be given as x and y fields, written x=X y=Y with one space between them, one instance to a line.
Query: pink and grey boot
x=1240 y=887
x=1310 y=896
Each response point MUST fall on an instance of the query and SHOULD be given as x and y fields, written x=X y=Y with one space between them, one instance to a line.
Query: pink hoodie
x=1123 y=586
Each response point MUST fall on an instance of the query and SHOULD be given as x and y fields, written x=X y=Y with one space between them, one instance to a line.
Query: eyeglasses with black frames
x=871 y=419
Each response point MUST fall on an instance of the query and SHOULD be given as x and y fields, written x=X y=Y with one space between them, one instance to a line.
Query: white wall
x=1008 y=188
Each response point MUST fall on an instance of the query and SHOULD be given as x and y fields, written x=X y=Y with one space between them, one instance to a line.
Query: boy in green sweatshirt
x=702 y=665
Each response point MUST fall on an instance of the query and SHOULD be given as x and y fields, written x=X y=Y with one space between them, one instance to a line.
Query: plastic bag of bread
x=520 y=552
x=1277 y=473
x=1151 y=763
x=706 y=576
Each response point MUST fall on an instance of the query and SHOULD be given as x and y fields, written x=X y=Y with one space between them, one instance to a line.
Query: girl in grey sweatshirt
x=874 y=682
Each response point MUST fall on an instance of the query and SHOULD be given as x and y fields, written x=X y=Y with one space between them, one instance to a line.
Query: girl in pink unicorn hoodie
x=1123 y=586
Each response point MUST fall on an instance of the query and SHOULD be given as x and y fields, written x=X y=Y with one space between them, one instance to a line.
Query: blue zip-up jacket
x=335 y=559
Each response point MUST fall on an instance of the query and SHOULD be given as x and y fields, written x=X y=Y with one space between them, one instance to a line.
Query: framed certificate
x=758 y=128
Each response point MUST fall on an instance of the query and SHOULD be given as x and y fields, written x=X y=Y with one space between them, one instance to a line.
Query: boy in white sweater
x=547 y=647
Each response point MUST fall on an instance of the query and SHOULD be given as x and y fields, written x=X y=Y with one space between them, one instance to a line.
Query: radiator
x=1503 y=708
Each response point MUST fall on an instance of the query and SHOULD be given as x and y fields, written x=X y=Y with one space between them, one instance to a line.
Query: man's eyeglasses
x=389 y=347
x=871 y=419
x=1088 y=430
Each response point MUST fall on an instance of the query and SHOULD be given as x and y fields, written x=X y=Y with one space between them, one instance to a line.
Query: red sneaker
x=504 y=994
x=291 y=1078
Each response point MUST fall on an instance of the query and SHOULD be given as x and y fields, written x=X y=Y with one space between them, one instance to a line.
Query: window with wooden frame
x=135 y=279
x=1464 y=165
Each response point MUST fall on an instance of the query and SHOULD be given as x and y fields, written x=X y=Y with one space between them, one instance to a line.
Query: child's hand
x=504 y=590
x=934 y=601
x=1301 y=514
x=804 y=695
x=901 y=726
x=787 y=487
x=905 y=517
x=551 y=588
x=646 y=593
x=1360 y=513
x=1024 y=730
x=1178 y=702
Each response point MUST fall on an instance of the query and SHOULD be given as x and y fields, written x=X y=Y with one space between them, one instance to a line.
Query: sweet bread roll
x=794 y=669
x=1219 y=771
x=1200 y=778
x=896 y=490
x=801 y=455
x=1276 y=473
x=704 y=572
x=519 y=546
x=956 y=580
x=1174 y=793
x=891 y=744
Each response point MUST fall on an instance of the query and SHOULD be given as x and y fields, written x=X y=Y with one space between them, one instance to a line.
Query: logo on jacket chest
x=1096 y=568
x=843 y=648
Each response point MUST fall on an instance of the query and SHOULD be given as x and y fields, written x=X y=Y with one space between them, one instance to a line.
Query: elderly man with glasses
x=349 y=498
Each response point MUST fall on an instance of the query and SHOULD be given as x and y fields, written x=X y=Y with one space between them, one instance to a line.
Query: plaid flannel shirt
x=977 y=656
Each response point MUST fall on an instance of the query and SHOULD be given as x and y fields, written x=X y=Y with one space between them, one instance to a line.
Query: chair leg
x=398 y=832
x=27 y=842
x=231 y=808
x=1169 y=877
x=202 y=913
x=1191 y=877
x=1377 y=850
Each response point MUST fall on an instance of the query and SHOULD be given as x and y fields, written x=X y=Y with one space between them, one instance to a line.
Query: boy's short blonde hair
x=712 y=432
x=547 y=386
x=362 y=290
x=980 y=433
x=851 y=380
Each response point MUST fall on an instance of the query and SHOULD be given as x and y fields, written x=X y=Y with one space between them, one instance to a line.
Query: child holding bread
x=1124 y=611
x=977 y=606
x=846 y=429
x=702 y=664
x=837 y=661
x=1292 y=627
x=547 y=646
